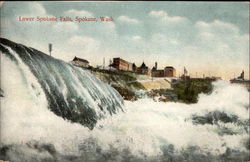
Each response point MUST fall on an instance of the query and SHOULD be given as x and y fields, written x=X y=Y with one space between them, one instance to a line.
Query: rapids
x=48 y=106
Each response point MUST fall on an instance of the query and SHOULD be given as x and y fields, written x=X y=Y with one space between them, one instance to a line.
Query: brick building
x=143 y=69
x=168 y=71
x=121 y=64
x=134 y=67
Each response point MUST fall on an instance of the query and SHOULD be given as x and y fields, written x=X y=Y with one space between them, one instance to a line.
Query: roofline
x=83 y=60
x=122 y=60
x=169 y=67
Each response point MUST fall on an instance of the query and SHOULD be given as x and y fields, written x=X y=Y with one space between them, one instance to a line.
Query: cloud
x=217 y=43
x=158 y=13
x=220 y=36
x=218 y=27
x=81 y=46
x=37 y=8
x=160 y=43
x=159 y=36
x=65 y=27
x=220 y=44
x=85 y=43
x=164 y=17
x=136 y=38
x=127 y=19
x=80 y=13
x=24 y=9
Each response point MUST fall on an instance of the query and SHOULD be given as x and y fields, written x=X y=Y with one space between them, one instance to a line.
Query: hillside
x=128 y=84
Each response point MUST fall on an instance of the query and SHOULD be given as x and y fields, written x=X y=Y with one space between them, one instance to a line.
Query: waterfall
x=48 y=106
x=71 y=92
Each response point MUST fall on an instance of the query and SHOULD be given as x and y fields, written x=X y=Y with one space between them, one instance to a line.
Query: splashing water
x=214 y=129
x=71 y=92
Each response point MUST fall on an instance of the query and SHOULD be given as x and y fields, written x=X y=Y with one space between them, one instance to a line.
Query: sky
x=210 y=38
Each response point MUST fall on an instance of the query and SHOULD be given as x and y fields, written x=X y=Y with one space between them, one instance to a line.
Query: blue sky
x=205 y=37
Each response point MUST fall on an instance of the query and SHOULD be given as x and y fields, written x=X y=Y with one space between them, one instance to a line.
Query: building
x=241 y=81
x=245 y=83
x=143 y=69
x=80 y=62
x=185 y=75
x=121 y=64
x=134 y=67
x=168 y=71
x=157 y=73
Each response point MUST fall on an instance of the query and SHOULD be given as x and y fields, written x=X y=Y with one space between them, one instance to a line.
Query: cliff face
x=122 y=79
x=129 y=83
x=124 y=82
x=156 y=84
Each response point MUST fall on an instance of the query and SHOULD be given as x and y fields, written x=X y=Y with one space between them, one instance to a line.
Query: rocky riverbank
x=132 y=86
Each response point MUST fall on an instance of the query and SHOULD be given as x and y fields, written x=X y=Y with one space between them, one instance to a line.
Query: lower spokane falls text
x=64 y=19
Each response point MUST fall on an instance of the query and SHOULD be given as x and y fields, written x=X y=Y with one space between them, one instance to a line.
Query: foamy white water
x=144 y=131
x=147 y=125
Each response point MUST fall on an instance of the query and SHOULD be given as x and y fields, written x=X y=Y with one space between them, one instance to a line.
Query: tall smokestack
x=50 y=48
x=155 y=65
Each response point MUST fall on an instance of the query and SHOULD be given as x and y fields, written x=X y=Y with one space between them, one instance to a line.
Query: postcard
x=124 y=81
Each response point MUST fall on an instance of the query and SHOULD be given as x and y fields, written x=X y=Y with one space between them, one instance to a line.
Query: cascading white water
x=147 y=125
x=145 y=131
x=71 y=92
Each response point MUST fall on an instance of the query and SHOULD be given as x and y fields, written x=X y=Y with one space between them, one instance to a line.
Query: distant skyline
x=210 y=38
